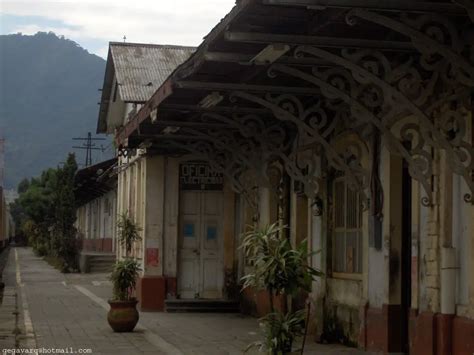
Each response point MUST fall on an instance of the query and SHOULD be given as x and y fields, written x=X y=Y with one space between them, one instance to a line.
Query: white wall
x=462 y=231
x=97 y=218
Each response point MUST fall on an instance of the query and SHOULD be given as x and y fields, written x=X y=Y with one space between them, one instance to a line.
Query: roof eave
x=106 y=94
x=166 y=89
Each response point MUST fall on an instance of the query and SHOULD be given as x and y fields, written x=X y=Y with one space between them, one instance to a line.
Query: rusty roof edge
x=85 y=172
x=165 y=90
x=144 y=112
x=151 y=45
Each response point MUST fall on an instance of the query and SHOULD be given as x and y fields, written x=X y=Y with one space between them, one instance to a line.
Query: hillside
x=48 y=94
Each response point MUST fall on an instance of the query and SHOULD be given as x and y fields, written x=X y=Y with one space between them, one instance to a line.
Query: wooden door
x=211 y=268
x=189 y=243
x=200 y=245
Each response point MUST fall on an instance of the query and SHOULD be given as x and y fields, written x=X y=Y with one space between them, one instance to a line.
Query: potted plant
x=281 y=270
x=123 y=315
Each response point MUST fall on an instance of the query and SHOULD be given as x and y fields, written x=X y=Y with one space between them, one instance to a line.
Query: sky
x=94 y=23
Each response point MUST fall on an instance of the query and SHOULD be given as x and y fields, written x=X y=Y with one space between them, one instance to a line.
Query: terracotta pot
x=123 y=315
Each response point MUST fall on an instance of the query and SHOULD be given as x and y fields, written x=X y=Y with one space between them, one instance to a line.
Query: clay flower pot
x=123 y=315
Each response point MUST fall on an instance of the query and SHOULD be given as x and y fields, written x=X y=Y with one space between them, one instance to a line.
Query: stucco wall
x=96 y=220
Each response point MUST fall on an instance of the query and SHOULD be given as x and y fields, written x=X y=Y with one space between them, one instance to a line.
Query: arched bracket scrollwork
x=355 y=152
x=125 y=152
x=256 y=145
x=274 y=144
x=308 y=122
x=336 y=83
x=434 y=36
x=404 y=92
x=244 y=152
x=244 y=155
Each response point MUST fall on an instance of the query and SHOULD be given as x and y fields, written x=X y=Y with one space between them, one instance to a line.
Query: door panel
x=211 y=244
x=210 y=284
x=201 y=243
x=189 y=244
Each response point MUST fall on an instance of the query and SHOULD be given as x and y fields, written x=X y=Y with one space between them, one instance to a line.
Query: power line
x=89 y=146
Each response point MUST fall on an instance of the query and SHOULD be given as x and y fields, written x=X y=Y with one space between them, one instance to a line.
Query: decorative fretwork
x=381 y=95
x=437 y=38
x=313 y=125
x=270 y=144
x=246 y=152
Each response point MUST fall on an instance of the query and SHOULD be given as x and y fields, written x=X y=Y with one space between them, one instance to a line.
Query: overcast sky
x=93 y=23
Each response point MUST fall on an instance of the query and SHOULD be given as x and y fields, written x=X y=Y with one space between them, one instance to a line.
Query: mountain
x=48 y=95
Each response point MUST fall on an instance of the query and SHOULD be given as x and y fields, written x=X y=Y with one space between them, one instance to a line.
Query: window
x=347 y=220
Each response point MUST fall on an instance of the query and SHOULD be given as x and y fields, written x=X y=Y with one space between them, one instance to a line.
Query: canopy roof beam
x=214 y=86
x=246 y=59
x=220 y=109
x=322 y=41
x=193 y=124
x=387 y=5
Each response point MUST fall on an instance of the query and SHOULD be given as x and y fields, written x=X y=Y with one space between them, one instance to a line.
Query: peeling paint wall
x=341 y=311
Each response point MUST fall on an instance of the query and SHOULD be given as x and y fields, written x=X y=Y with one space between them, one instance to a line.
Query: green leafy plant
x=45 y=213
x=128 y=232
x=279 y=332
x=280 y=269
x=124 y=278
x=126 y=272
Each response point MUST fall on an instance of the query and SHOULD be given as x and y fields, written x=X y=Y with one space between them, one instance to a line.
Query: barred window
x=347 y=244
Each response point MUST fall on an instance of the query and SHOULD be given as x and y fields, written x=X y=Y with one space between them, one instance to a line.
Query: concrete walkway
x=69 y=311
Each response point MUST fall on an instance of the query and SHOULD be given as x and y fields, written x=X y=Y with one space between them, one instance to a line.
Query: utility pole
x=88 y=146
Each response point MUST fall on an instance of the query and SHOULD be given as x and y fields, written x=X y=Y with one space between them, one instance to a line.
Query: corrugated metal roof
x=142 y=68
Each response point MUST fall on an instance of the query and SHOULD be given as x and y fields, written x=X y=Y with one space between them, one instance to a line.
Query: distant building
x=95 y=189
x=133 y=73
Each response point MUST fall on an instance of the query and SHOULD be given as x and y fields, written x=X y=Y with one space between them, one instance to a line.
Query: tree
x=23 y=186
x=45 y=213
x=64 y=232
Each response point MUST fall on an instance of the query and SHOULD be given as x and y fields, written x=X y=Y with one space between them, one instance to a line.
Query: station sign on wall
x=199 y=176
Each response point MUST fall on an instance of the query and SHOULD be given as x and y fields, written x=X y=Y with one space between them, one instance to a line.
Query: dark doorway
x=406 y=257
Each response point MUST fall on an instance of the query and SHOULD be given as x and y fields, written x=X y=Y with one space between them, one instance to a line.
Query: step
x=202 y=306
x=100 y=271
x=101 y=266
x=201 y=310
x=101 y=257
x=97 y=262
x=101 y=262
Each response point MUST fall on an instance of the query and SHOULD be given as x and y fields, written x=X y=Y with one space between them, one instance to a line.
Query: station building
x=349 y=122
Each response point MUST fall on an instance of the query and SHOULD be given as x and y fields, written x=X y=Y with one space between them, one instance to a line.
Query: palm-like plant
x=128 y=232
x=279 y=268
x=124 y=278
x=280 y=331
